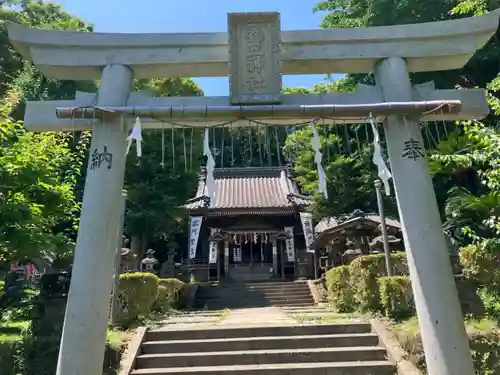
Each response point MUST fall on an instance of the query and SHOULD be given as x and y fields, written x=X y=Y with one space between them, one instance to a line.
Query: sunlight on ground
x=13 y=331
x=326 y=317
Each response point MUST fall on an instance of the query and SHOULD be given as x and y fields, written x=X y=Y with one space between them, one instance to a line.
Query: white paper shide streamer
x=318 y=159
x=383 y=171
x=210 y=180
x=135 y=135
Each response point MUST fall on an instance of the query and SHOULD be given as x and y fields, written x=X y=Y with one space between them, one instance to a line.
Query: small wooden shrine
x=340 y=240
x=253 y=230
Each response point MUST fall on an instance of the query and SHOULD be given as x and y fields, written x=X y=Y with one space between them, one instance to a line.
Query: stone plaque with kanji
x=254 y=58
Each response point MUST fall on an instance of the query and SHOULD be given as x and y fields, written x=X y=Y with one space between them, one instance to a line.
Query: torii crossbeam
x=255 y=54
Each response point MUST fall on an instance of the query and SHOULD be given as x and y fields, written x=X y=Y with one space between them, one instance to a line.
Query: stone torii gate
x=254 y=54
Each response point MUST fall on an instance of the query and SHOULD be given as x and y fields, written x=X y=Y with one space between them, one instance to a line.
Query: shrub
x=339 y=289
x=364 y=272
x=138 y=294
x=484 y=338
x=162 y=303
x=38 y=355
x=482 y=264
x=396 y=296
x=174 y=291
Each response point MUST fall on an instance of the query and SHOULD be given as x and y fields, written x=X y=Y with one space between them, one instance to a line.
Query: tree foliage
x=347 y=161
x=480 y=70
x=39 y=204
x=38 y=174
x=160 y=182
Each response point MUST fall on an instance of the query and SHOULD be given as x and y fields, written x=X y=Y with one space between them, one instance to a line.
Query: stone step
x=245 y=332
x=326 y=368
x=257 y=285
x=228 y=358
x=264 y=292
x=261 y=343
x=257 y=300
x=292 y=287
x=243 y=297
x=216 y=305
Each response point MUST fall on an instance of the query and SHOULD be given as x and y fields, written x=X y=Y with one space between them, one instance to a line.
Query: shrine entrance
x=254 y=54
x=250 y=257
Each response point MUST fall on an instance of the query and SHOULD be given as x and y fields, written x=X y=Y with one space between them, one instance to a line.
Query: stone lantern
x=351 y=253
x=149 y=262
x=377 y=244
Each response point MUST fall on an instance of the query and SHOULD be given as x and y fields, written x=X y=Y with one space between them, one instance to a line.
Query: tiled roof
x=328 y=226
x=250 y=188
x=332 y=222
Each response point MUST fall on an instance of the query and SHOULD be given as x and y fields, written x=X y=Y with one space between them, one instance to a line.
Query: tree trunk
x=136 y=247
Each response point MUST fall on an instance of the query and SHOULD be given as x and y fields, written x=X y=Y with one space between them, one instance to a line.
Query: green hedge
x=138 y=293
x=355 y=287
x=482 y=264
x=38 y=356
x=174 y=289
x=340 y=295
x=396 y=296
x=143 y=292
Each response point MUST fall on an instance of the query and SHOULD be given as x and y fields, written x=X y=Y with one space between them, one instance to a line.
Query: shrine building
x=253 y=231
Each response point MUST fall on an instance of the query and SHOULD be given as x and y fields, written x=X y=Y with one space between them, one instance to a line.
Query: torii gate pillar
x=87 y=310
x=440 y=317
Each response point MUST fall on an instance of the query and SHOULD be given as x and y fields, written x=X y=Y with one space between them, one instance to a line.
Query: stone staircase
x=329 y=349
x=253 y=294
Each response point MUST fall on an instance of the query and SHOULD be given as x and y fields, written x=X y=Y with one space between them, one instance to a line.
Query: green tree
x=161 y=181
x=347 y=161
x=15 y=71
x=480 y=70
x=38 y=175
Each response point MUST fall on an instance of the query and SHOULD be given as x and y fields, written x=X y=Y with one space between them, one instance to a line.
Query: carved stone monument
x=254 y=58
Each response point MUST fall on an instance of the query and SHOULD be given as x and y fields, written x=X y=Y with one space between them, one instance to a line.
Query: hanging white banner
x=290 y=244
x=194 y=233
x=307 y=228
x=212 y=255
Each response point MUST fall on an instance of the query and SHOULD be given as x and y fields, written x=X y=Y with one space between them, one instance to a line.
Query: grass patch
x=117 y=339
x=484 y=338
x=326 y=317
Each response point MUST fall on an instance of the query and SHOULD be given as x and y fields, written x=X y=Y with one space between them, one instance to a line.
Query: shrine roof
x=250 y=190
x=330 y=223
x=330 y=227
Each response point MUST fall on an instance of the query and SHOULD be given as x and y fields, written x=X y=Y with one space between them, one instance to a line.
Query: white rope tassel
x=383 y=172
x=210 y=180
x=135 y=135
x=318 y=159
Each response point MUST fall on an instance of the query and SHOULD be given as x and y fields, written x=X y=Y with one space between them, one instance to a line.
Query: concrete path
x=191 y=319
x=256 y=317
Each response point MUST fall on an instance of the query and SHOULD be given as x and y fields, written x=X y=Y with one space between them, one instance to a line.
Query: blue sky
x=193 y=16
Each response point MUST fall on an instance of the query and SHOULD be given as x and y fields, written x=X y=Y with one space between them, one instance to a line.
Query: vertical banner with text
x=214 y=247
x=290 y=244
x=307 y=227
x=194 y=233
